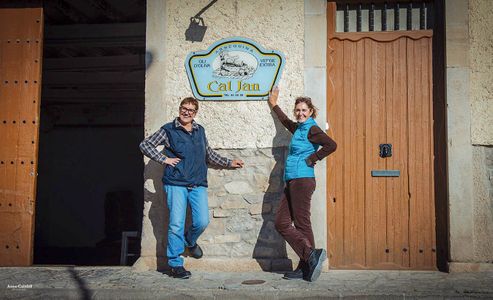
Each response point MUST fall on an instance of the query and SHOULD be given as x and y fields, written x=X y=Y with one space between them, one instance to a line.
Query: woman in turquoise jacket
x=308 y=145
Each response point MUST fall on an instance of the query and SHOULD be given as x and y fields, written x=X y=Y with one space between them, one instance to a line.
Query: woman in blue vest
x=186 y=155
x=293 y=216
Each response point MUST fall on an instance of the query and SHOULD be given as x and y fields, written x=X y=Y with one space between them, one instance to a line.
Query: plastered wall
x=481 y=100
x=481 y=54
x=278 y=25
x=481 y=96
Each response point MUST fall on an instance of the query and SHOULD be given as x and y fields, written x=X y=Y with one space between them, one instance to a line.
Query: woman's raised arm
x=273 y=95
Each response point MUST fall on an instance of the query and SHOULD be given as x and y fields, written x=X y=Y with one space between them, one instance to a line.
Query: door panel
x=380 y=92
x=20 y=89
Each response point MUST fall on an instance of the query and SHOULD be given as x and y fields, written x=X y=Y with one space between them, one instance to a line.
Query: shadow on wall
x=158 y=211
x=270 y=248
x=148 y=59
x=154 y=196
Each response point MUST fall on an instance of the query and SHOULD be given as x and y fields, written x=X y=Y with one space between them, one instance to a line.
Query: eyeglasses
x=188 y=110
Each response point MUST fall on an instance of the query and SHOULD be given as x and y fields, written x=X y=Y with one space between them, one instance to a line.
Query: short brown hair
x=192 y=100
x=308 y=102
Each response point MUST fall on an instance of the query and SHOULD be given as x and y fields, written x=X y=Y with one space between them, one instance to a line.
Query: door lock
x=385 y=150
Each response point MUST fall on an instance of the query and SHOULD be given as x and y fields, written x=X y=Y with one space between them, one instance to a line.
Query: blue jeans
x=177 y=198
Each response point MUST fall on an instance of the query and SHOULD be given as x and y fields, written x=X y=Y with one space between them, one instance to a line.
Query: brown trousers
x=293 y=216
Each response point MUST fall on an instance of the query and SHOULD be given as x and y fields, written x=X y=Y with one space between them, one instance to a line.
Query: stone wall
x=469 y=118
x=242 y=205
x=481 y=54
x=242 y=202
x=483 y=204
x=481 y=97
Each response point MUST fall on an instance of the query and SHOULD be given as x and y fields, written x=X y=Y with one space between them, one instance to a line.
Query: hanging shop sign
x=234 y=68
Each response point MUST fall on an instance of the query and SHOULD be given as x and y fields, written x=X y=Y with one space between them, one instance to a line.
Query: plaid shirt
x=149 y=145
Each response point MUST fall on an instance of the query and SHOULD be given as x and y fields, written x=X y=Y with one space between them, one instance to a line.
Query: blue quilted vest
x=191 y=149
x=300 y=148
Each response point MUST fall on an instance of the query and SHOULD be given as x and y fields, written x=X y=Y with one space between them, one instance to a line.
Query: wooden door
x=20 y=86
x=380 y=92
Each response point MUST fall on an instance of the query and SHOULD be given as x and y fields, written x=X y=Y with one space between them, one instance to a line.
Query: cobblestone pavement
x=124 y=283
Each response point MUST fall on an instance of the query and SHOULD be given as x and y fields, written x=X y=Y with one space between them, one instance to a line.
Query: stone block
x=227 y=238
x=209 y=264
x=246 y=153
x=205 y=240
x=240 y=222
x=141 y=265
x=242 y=250
x=458 y=54
x=149 y=186
x=489 y=157
x=260 y=208
x=269 y=234
x=457 y=267
x=456 y=13
x=258 y=217
x=261 y=181
x=250 y=237
x=315 y=87
x=282 y=264
x=267 y=208
x=275 y=207
x=234 y=202
x=457 y=33
x=315 y=7
x=221 y=213
x=315 y=41
x=222 y=250
x=272 y=197
x=263 y=252
x=460 y=162
x=262 y=169
x=238 y=188
x=253 y=198
x=256 y=209
x=216 y=226
x=213 y=202
x=267 y=152
x=276 y=184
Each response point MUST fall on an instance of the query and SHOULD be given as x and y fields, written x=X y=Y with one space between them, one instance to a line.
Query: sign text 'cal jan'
x=235 y=68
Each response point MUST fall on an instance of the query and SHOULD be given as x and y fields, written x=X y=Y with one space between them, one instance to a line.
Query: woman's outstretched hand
x=274 y=93
x=237 y=163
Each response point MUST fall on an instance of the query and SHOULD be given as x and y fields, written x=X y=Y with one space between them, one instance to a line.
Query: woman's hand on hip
x=172 y=161
x=273 y=95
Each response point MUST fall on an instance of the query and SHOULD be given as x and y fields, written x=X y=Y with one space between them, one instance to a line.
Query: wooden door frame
x=439 y=125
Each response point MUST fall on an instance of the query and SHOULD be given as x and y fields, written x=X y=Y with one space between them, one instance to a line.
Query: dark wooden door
x=380 y=92
x=21 y=39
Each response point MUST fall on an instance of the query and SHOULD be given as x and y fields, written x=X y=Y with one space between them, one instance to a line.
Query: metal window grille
x=387 y=16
